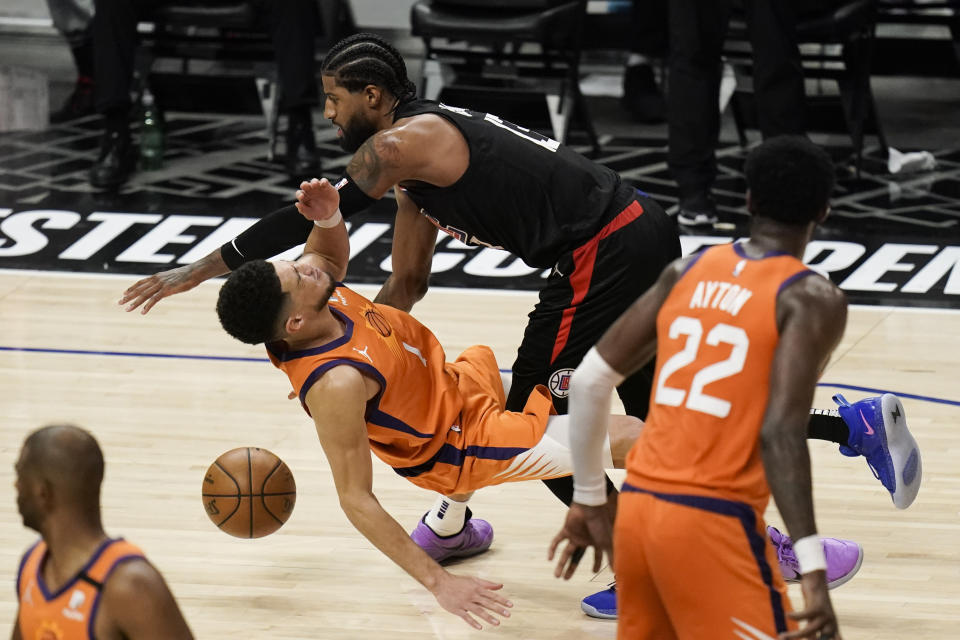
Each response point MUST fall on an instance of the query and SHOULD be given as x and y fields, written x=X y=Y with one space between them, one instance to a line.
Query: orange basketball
x=249 y=492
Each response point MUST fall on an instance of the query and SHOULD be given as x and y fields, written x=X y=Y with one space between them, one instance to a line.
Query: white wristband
x=810 y=556
x=332 y=221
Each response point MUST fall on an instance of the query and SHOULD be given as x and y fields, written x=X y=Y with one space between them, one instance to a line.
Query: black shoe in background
x=641 y=95
x=301 y=161
x=116 y=160
x=697 y=211
x=78 y=104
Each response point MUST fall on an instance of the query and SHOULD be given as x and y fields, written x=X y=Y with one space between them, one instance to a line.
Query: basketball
x=248 y=492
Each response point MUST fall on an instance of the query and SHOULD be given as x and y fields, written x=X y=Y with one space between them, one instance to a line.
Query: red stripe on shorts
x=584 y=258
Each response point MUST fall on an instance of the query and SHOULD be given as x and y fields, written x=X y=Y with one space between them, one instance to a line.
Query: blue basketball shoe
x=602 y=604
x=878 y=432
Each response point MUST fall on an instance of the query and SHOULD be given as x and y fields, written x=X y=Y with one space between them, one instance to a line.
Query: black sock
x=563 y=488
x=826 y=424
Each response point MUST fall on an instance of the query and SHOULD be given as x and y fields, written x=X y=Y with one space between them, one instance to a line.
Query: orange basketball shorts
x=695 y=567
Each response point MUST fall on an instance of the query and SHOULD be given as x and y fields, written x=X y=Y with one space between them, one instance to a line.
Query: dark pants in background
x=697 y=32
x=292 y=24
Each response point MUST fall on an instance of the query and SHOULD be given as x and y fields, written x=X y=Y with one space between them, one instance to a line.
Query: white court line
x=480 y=291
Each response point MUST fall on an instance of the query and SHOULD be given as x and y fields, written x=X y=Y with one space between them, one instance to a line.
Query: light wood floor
x=162 y=421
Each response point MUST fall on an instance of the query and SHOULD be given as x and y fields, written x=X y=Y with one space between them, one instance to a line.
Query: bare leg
x=624 y=431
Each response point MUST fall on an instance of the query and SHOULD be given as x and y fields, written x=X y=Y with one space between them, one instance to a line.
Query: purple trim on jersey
x=287 y=356
x=373 y=413
x=23 y=562
x=748 y=519
x=388 y=421
x=797 y=276
x=449 y=454
x=103 y=584
x=317 y=373
x=693 y=261
x=738 y=247
x=69 y=583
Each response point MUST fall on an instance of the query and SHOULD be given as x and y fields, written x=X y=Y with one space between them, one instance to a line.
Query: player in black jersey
x=486 y=182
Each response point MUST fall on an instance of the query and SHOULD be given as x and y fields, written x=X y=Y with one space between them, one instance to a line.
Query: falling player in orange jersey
x=75 y=583
x=727 y=425
x=373 y=378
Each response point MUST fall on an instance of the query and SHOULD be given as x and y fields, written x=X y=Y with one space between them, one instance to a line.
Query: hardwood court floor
x=161 y=421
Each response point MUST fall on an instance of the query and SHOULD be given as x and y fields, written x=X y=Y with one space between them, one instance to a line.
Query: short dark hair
x=363 y=59
x=790 y=180
x=69 y=456
x=250 y=303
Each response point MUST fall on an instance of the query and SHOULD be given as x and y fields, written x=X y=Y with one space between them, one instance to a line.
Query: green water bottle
x=151 y=134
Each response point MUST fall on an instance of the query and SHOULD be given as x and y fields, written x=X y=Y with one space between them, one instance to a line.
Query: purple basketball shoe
x=879 y=433
x=475 y=537
x=844 y=558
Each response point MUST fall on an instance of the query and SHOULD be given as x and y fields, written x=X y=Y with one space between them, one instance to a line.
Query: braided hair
x=364 y=59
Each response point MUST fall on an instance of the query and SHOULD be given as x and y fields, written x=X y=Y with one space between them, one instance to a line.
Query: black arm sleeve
x=272 y=234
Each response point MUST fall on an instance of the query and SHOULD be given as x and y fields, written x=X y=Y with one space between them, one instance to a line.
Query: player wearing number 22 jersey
x=741 y=334
x=698 y=463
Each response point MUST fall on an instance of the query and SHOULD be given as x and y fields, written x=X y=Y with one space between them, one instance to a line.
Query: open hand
x=584 y=527
x=152 y=289
x=818 y=611
x=463 y=596
x=317 y=199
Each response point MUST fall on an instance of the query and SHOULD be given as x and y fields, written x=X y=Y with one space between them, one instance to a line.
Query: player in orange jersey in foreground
x=727 y=426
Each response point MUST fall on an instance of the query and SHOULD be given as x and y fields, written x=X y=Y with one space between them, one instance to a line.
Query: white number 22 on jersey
x=696 y=399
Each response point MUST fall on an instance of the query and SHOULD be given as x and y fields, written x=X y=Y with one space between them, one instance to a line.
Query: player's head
x=789 y=180
x=363 y=77
x=58 y=473
x=269 y=301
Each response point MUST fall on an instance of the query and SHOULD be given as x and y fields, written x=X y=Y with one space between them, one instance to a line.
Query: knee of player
x=624 y=431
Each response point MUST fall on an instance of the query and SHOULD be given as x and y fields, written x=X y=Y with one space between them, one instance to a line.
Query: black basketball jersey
x=522 y=191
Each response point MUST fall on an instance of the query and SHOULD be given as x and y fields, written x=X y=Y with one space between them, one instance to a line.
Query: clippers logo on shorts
x=560 y=382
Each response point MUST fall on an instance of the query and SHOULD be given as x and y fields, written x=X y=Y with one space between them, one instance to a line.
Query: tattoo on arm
x=365 y=166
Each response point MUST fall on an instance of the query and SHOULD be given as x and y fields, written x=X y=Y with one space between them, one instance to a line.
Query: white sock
x=447 y=516
x=506 y=379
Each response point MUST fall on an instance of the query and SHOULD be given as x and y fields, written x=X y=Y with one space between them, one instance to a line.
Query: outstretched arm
x=337 y=402
x=274 y=233
x=811 y=317
x=136 y=603
x=152 y=289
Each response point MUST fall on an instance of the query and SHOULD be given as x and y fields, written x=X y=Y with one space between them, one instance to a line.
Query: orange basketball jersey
x=433 y=421
x=716 y=339
x=69 y=613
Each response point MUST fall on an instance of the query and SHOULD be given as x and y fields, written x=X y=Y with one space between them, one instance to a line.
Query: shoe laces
x=785 y=552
